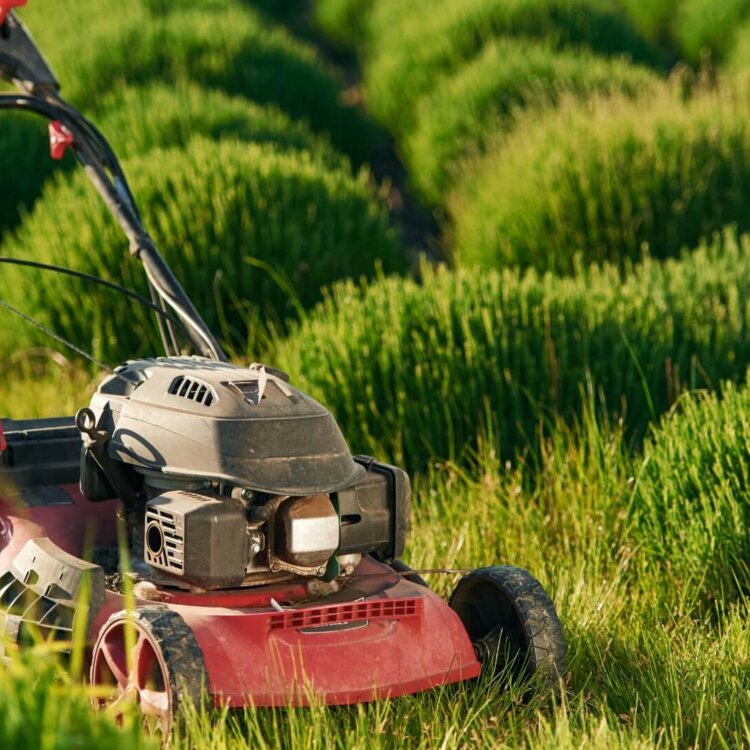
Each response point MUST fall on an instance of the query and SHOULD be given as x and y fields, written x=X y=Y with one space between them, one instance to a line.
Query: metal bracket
x=20 y=60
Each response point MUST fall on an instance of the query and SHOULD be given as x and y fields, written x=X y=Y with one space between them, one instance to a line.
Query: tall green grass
x=654 y=19
x=641 y=675
x=412 y=46
x=250 y=231
x=707 y=27
x=137 y=119
x=344 y=21
x=25 y=163
x=227 y=46
x=43 y=709
x=608 y=179
x=738 y=60
x=692 y=506
x=485 y=96
x=416 y=371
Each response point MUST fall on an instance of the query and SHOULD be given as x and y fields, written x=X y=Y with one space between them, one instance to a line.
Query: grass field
x=566 y=381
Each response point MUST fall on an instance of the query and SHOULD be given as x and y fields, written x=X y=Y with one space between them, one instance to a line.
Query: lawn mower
x=206 y=526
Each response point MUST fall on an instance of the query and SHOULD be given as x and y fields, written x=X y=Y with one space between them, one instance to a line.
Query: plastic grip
x=6 y=6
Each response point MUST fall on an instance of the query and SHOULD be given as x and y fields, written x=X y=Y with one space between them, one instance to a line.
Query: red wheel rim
x=128 y=671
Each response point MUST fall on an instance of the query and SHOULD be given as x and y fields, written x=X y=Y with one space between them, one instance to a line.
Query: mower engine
x=231 y=477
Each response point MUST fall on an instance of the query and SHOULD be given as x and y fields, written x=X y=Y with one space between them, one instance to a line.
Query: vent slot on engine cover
x=193 y=389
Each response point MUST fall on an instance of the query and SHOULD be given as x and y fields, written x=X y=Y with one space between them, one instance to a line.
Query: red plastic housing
x=60 y=139
x=6 y=6
x=382 y=636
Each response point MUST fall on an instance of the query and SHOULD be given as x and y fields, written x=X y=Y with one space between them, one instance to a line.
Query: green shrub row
x=227 y=46
x=344 y=21
x=707 y=26
x=135 y=120
x=25 y=164
x=608 y=180
x=691 y=509
x=411 y=48
x=739 y=57
x=654 y=19
x=697 y=31
x=212 y=208
x=413 y=371
x=484 y=96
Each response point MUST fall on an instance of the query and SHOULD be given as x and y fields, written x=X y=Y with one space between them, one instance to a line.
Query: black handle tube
x=120 y=204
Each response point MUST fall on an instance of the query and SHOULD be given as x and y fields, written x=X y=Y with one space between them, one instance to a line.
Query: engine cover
x=195 y=417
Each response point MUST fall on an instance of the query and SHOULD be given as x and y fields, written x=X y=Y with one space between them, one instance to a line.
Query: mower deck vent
x=336 y=614
x=195 y=390
x=26 y=615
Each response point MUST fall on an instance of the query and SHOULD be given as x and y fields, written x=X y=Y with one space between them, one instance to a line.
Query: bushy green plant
x=232 y=48
x=25 y=163
x=655 y=18
x=608 y=180
x=411 y=46
x=416 y=371
x=691 y=509
x=244 y=226
x=484 y=97
x=137 y=119
x=709 y=26
x=738 y=60
x=344 y=21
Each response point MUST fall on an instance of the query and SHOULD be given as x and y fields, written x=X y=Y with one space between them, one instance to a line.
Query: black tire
x=401 y=567
x=512 y=624
x=180 y=659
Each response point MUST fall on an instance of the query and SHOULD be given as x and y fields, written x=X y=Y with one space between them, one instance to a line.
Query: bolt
x=255 y=548
x=275 y=567
x=247 y=494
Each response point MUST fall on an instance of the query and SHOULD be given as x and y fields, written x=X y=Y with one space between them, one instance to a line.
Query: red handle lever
x=6 y=6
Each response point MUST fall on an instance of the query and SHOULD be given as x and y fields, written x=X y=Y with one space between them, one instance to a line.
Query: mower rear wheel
x=512 y=624
x=147 y=659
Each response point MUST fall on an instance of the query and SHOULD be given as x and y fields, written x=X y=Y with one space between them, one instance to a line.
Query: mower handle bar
x=22 y=63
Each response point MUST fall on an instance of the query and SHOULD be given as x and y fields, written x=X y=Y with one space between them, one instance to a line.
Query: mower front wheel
x=512 y=625
x=147 y=660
